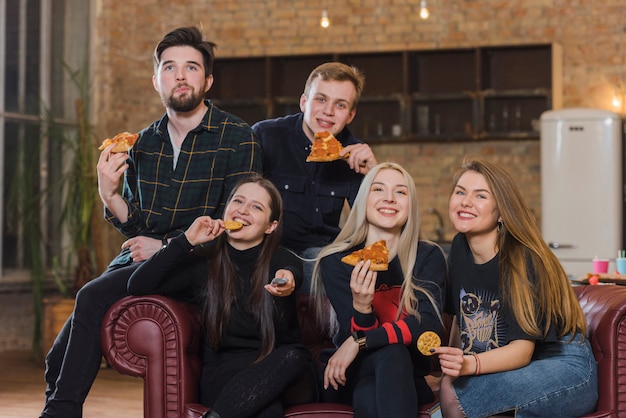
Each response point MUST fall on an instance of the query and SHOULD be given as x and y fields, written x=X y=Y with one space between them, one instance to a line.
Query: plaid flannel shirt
x=163 y=201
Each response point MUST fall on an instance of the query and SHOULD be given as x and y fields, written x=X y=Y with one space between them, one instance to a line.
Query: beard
x=184 y=103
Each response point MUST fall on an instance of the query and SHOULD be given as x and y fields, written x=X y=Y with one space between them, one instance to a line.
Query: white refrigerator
x=582 y=186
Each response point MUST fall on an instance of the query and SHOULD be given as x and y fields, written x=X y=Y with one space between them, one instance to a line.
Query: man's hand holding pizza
x=326 y=148
x=111 y=167
x=361 y=158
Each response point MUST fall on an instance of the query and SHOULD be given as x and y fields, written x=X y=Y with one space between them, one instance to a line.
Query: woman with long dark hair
x=252 y=351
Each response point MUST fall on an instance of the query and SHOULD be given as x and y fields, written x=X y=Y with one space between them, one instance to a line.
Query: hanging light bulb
x=617 y=97
x=424 y=13
x=617 y=103
x=324 y=21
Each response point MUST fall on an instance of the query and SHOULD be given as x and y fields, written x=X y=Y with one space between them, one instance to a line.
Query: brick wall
x=592 y=34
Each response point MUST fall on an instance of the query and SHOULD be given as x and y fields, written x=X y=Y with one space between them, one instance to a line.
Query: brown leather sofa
x=158 y=339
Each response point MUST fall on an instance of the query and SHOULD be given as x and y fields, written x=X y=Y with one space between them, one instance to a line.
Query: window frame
x=64 y=28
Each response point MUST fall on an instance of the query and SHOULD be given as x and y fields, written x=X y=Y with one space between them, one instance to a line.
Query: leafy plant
x=75 y=191
x=81 y=185
x=25 y=200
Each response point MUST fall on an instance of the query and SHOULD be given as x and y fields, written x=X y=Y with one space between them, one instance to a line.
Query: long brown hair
x=220 y=288
x=354 y=233
x=550 y=300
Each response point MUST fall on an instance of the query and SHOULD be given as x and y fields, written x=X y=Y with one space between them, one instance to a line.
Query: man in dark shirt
x=181 y=167
x=314 y=194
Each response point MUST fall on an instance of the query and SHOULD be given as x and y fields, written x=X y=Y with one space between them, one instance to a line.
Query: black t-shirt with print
x=473 y=295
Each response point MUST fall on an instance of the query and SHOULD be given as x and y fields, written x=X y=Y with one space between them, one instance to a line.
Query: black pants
x=381 y=384
x=236 y=387
x=74 y=359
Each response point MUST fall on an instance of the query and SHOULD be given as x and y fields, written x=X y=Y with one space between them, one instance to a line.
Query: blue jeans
x=560 y=381
x=74 y=359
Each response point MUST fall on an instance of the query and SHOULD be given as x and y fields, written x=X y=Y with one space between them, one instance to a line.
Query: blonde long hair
x=522 y=248
x=355 y=232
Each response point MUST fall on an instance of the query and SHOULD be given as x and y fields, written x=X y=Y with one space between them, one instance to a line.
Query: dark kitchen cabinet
x=463 y=94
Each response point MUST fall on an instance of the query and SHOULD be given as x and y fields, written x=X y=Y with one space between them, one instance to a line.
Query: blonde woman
x=377 y=367
x=519 y=334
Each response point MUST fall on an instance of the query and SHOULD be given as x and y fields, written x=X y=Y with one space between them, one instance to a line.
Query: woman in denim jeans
x=518 y=343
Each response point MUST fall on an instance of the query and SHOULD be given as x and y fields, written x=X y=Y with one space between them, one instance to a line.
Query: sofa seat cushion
x=329 y=410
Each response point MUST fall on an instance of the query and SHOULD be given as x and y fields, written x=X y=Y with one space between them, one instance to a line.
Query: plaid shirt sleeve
x=163 y=201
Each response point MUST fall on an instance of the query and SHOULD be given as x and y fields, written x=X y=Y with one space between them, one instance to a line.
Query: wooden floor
x=22 y=390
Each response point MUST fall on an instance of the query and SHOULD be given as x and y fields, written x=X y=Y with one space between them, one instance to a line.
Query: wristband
x=477 y=370
x=361 y=339
x=164 y=243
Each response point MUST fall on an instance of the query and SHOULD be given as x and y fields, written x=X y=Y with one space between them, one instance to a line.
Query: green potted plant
x=74 y=265
x=81 y=189
x=79 y=220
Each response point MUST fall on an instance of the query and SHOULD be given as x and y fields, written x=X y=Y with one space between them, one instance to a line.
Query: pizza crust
x=123 y=141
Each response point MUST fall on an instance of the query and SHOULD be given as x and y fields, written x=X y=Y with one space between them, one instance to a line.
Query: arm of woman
x=171 y=271
x=514 y=355
x=285 y=264
x=336 y=277
x=335 y=371
x=429 y=274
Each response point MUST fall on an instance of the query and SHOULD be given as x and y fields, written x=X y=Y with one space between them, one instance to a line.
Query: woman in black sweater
x=380 y=315
x=252 y=350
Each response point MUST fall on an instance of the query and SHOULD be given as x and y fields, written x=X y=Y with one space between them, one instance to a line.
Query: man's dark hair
x=187 y=36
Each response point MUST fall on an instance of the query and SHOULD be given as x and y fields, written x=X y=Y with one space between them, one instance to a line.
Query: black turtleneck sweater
x=175 y=271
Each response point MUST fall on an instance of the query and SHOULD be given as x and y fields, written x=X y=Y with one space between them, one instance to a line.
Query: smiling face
x=329 y=106
x=251 y=206
x=472 y=207
x=388 y=201
x=180 y=78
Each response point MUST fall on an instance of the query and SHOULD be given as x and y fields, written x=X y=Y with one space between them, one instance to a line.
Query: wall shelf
x=495 y=92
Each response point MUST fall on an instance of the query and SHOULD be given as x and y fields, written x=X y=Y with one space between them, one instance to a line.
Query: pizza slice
x=377 y=253
x=232 y=225
x=123 y=141
x=325 y=148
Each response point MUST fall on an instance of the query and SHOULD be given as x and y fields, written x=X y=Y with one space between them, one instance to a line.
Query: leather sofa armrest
x=605 y=311
x=158 y=339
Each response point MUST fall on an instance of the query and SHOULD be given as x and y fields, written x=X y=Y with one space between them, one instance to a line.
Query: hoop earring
x=500 y=225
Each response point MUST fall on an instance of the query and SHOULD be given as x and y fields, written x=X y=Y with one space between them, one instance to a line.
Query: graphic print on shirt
x=386 y=303
x=481 y=328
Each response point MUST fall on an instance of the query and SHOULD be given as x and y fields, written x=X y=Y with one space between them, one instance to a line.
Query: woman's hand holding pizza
x=204 y=229
x=363 y=286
